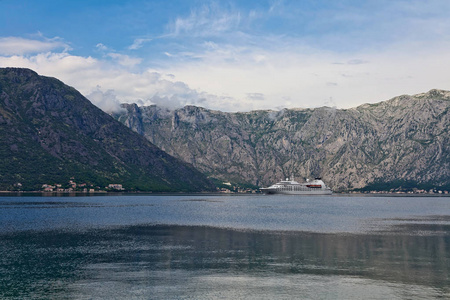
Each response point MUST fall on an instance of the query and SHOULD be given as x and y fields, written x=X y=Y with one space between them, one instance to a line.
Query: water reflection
x=162 y=261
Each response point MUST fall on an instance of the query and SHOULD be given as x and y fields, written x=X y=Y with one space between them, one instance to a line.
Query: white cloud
x=255 y=96
x=121 y=59
x=101 y=47
x=301 y=77
x=138 y=43
x=107 y=101
x=125 y=60
x=357 y=54
x=107 y=83
x=208 y=20
x=232 y=78
x=21 y=46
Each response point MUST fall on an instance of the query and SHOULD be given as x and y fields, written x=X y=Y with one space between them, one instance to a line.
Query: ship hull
x=270 y=191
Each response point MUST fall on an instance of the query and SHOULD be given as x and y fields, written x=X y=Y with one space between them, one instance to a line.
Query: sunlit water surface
x=224 y=247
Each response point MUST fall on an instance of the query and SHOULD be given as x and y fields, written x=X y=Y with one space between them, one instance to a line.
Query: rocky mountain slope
x=402 y=141
x=50 y=133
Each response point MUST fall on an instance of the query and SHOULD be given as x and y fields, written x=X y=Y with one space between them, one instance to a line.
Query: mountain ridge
x=404 y=140
x=51 y=133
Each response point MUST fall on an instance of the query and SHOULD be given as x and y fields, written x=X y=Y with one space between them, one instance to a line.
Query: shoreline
x=149 y=193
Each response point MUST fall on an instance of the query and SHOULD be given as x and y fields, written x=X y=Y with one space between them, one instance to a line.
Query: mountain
x=50 y=134
x=400 y=142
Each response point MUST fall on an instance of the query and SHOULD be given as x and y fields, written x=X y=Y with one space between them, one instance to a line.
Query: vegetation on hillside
x=50 y=133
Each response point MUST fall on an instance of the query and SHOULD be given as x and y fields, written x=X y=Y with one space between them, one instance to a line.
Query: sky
x=232 y=55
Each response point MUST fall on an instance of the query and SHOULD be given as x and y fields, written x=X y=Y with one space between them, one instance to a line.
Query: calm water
x=224 y=247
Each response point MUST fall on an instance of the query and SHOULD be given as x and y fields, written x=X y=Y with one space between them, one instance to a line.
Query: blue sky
x=232 y=55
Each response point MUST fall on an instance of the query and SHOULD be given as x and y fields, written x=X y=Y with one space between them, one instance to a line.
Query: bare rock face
x=402 y=139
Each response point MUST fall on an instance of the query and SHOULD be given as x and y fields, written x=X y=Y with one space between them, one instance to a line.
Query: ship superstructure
x=292 y=187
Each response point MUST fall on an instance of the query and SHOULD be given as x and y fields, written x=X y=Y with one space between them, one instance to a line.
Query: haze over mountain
x=400 y=142
x=50 y=133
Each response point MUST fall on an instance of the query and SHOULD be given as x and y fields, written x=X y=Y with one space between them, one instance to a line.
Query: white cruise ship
x=292 y=187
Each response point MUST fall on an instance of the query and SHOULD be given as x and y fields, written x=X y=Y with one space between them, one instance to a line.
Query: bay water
x=225 y=247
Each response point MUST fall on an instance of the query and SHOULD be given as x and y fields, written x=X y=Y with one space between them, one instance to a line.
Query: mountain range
x=51 y=134
x=402 y=143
